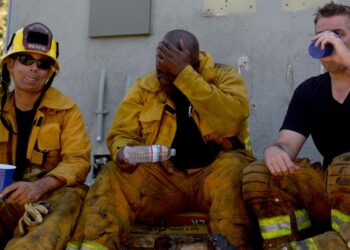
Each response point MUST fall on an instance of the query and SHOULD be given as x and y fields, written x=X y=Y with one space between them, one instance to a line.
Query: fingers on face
x=165 y=49
x=159 y=53
x=169 y=46
x=162 y=56
x=160 y=63
x=325 y=37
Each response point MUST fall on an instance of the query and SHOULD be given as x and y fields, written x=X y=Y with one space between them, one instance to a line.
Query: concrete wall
x=266 y=40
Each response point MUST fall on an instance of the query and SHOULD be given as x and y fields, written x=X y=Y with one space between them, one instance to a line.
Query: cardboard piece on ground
x=145 y=236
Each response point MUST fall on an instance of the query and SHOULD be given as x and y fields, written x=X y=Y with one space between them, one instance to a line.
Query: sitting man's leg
x=338 y=191
x=287 y=206
x=219 y=192
x=9 y=216
x=55 y=230
x=117 y=198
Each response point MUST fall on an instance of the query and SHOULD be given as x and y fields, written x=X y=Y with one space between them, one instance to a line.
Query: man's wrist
x=278 y=145
x=48 y=184
x=274 y=145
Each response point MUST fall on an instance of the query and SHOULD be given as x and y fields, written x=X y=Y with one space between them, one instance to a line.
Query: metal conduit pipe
x=100 y=110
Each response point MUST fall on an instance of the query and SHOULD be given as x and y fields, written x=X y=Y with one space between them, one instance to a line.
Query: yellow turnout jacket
x=217 y=94
x=58 y=146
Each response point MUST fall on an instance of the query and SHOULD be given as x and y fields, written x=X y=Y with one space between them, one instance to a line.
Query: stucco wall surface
x=266 y=40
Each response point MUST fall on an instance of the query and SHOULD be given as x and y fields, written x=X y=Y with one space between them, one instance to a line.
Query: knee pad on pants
x=338 y=191
x=267 y=195
x=255 y=181
x=338 y=183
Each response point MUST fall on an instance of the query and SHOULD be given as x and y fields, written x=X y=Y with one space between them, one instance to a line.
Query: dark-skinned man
x=200 y=109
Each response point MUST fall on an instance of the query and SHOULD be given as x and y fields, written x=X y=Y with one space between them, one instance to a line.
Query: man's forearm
x=48 y=184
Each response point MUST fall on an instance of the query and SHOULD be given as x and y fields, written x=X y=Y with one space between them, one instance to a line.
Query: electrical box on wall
x=119 y=17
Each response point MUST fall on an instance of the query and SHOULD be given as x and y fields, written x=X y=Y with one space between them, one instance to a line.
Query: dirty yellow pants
x=117 y=198
x=53 y=233
x=326 y=241
x=338 y=192
x=287 y=207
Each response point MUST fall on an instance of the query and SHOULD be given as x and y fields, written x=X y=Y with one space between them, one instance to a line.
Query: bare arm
x=280 y=155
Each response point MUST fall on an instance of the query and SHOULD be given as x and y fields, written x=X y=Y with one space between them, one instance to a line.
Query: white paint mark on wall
x=244 y=69
x=298 y=5
x=225 y=7
x=290 y=81
x=243 y=63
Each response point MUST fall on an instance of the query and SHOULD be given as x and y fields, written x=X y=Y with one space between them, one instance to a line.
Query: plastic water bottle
x=148 y=153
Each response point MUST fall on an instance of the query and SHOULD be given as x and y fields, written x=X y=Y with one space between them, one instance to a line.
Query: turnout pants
x=338 y=192
x=53 y=233
x=117 y=198
x=302 y=192
x=288 y=208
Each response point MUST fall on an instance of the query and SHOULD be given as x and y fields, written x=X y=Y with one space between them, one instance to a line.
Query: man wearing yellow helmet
x=42 y=133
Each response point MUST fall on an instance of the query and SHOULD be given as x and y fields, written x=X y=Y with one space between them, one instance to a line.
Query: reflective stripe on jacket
x=217 y=94
x=58 y=145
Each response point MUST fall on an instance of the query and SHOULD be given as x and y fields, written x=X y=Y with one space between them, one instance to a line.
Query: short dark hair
x=332 y=9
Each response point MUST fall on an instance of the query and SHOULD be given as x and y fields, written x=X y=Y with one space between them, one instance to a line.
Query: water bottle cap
x=172 y=152
x=317 y=52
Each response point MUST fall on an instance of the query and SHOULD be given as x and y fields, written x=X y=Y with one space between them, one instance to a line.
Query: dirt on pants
x=116 y=199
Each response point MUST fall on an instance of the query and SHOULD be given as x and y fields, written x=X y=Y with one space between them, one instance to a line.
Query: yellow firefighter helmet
x=35 y=37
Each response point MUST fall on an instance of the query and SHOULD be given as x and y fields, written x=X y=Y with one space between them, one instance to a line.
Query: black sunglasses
x=29 y=60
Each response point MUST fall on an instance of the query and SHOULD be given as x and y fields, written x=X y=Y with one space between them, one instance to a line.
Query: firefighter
x=292 y=199
x=197 y=107
x=42 y=133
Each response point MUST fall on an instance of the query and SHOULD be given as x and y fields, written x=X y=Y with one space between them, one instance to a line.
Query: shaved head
x=189 y=40
x=177 y=50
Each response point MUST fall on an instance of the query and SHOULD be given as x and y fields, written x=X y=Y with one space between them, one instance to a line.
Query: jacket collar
x=53 y=99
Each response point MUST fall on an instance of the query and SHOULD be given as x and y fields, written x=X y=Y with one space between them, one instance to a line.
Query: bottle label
x=149 y=153
x=159 y=153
